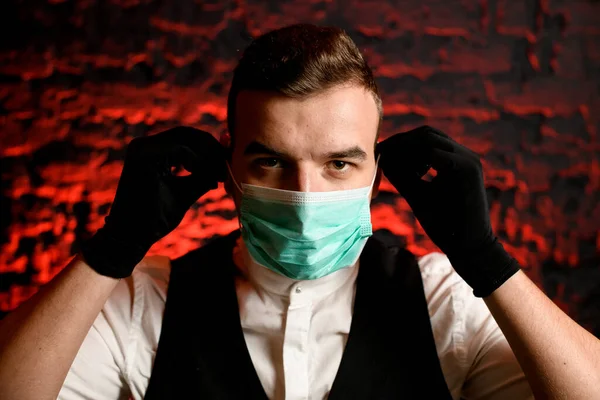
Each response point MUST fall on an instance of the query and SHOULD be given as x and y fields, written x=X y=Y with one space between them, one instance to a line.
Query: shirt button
x=298 y=289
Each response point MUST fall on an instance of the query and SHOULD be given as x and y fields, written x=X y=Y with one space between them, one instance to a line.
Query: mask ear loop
x=375 y=174
x=239 y=188
x=232 y=178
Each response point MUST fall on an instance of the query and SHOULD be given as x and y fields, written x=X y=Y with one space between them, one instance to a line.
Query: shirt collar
x=273 y=282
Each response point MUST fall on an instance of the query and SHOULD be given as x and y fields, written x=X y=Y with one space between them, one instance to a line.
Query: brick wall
x=517 y=81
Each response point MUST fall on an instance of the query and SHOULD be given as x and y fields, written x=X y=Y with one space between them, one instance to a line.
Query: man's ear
x=225 y=140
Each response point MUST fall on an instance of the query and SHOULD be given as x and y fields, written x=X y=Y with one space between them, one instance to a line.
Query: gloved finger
x=447 y=142
x=434 y=138
x=183 y=156
x=413 y=166
x=200 y=142
x=198 y=151
x=467 y=152
x=445 y=162
x=181 y=135
x=213 y=166
x=434 y=131
x=410 y=186
x=416 y=140
x=457 y=147
x=188 y=189
x=409 y=152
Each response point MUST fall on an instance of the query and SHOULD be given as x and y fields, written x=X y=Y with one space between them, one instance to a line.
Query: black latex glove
x=452 y=208
x=151 y=201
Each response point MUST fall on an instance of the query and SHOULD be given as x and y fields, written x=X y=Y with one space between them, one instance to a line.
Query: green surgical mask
x=305 y=235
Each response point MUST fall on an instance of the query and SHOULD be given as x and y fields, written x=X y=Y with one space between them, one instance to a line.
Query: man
x=305 y=303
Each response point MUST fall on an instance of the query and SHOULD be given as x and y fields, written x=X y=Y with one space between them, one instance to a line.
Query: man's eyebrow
x=258 y=148
x=353 y=152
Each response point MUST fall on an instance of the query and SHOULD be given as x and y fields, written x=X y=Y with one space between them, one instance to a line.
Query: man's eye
x=339 y=165
x=268 y=162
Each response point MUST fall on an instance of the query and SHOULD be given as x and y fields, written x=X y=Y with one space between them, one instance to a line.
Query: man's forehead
x=343 y=120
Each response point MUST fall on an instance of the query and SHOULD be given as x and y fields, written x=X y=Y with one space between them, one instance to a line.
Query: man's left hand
x=452 y=208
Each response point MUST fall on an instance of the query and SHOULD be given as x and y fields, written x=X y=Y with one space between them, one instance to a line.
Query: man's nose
x=305 y=179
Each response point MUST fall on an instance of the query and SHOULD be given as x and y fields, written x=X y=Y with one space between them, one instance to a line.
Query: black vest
x=390 y=352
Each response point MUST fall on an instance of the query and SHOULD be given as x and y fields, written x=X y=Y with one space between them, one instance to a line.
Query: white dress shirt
x=295 y=332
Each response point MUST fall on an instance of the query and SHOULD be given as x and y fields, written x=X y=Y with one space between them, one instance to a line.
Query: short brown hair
x=298 y=61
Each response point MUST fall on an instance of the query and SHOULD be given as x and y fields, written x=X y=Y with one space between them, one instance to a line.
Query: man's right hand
x=151 y=201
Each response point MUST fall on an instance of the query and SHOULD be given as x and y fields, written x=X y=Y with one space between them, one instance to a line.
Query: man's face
x=321 y=143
